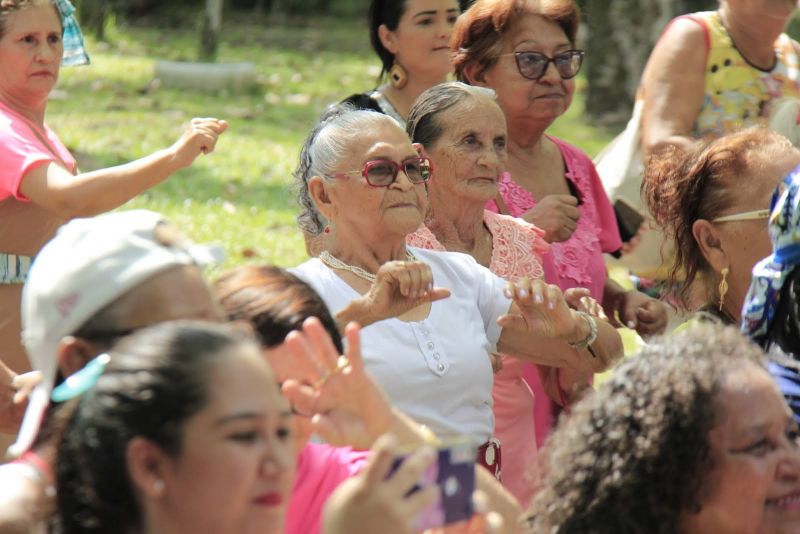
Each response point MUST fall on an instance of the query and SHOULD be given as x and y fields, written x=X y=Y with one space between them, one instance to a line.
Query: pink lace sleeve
x=517 y=248
x=424 y=238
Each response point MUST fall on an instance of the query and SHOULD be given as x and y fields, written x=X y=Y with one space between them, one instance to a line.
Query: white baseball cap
x=89 y=264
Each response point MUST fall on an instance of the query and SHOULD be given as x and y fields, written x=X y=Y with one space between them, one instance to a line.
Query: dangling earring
x=398 y=76
x=723 y=287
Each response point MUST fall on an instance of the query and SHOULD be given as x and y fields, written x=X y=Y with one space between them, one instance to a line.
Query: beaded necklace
x=335 y=263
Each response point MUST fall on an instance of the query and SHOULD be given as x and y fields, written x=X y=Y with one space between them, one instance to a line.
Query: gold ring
x=341 y=363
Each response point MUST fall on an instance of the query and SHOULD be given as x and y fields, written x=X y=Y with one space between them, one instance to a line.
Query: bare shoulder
x=24 y=503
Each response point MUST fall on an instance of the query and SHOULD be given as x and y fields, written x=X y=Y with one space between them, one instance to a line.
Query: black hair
x=155 y=381
x=388 y=12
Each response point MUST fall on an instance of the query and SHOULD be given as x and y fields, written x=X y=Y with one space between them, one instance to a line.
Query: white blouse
x=436 y=370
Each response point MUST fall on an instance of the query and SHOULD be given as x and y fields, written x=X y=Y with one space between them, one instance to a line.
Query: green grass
x=240 y=195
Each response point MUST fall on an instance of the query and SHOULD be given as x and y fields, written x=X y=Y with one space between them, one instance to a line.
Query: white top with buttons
x=436 y=370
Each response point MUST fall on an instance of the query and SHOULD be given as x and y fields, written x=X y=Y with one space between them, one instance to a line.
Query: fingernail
x=430 y=286
x=551 y=305
x=522 y=293
x=537 y=298
x=507 y=293
x=631 y=324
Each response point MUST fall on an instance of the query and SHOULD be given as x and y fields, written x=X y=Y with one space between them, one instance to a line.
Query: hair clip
x=82 y=381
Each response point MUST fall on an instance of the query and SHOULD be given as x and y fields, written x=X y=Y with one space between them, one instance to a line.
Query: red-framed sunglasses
x=383 y=172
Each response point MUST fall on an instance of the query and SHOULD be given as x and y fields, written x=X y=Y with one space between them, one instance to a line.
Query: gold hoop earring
x=398 y=76
x=723 y=287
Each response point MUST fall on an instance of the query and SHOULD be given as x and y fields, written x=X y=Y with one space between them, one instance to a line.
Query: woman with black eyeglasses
x=431 y=319
x=526 y=52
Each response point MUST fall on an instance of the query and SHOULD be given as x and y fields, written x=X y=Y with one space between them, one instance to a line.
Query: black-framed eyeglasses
x=383 y=172
x=533 y=65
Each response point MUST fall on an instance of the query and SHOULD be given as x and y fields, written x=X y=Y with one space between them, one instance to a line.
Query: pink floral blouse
x=578 y=261
x=517 y=251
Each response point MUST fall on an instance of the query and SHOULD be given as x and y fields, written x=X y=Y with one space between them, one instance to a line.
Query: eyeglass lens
x=533 y=65
x=383 y=173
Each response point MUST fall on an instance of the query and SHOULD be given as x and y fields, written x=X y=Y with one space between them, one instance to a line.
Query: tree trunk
x=212 y=24
x=623 y=33
x=92 y=16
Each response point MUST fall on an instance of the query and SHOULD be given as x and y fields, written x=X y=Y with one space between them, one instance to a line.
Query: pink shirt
x=21 y=151
x=320 y=470
x=576 y=262
x=517 y=251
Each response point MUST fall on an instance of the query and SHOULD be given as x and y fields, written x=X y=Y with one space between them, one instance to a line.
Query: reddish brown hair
x=683 y=186
x=478 y=35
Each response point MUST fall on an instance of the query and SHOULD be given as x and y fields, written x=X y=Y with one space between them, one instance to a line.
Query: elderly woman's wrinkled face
x=235 y=470
x=376 y=212
x=471 y=152
x=754 y=484
x=30 y=54
x=523 y=100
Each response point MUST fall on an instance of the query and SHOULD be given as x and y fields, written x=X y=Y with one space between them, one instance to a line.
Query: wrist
x=358 y=311
x=586 y=335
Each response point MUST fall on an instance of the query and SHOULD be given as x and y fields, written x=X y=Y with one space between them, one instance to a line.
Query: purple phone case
x=454 y=473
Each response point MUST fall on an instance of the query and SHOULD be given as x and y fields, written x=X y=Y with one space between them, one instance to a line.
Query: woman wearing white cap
x=97 y=280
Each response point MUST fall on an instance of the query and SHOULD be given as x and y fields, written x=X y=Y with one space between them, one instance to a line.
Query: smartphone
x=453 y=472
x=629 y=219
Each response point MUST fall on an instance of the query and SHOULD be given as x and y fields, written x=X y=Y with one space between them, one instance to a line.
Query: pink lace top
x=517 y=246
x=517 y=251
x=578 y=261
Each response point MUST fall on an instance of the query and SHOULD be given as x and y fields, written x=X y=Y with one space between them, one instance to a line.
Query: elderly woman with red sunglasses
x=431 y=319
x=526 y=52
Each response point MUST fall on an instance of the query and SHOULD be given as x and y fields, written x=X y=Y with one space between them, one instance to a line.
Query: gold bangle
x=428 y=436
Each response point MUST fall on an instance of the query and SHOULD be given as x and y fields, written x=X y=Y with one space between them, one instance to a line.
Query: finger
x=418 y=501
x=380 y=460
x=303 y=397
x=414 y=271
x=554 y=297
x=324 y=426
x=568 y=200
x=325 y=352
x=306 y=367
x=438 y=293
x=403 y=278
x=352 y=334
x=410 y=470
x=539 y=292
x=572 y=212
x=426 y=281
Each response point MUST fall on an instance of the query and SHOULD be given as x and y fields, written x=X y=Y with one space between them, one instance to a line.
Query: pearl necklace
x=335 y=263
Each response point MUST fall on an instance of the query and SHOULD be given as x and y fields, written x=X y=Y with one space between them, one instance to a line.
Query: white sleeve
x=492 y=303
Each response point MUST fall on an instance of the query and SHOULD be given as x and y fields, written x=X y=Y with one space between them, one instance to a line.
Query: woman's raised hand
x=378 y=500
x=557 y=215
x=580 y=298
x=541 y=309
x=401 y=286
x=345 y=404
x=199 y=138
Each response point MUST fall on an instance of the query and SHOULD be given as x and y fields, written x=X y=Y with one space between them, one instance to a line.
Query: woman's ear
x=475 y=74
x=148 y=468
x=420 y=150
x=73 y=353
x=388 y=38
x=707 y=238
x=318 y=190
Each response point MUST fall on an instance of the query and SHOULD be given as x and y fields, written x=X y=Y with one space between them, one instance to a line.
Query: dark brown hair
x=274 y=301
x=634 y=456
x=683 y=186
x=478 y=35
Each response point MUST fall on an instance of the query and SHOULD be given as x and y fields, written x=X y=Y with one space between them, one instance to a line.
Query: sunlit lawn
x=239 y=196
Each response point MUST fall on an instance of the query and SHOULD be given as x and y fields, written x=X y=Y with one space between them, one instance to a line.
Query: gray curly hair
x=322 y=150
x=634 y=456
